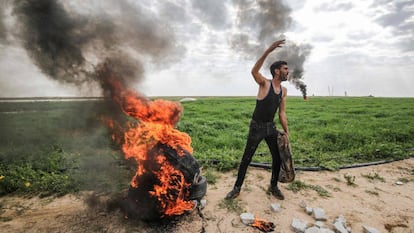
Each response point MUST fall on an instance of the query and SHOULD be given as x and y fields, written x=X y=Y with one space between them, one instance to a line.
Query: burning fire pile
x=263 y=225
x=167 y=179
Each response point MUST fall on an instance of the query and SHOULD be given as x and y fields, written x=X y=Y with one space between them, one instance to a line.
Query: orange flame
x=263 y=225
x=170 y=192
x=156 y=122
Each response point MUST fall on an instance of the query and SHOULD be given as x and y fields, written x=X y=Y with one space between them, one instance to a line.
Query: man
x=270 y=97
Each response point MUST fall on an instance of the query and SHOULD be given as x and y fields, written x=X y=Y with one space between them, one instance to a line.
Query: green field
x=55 y=147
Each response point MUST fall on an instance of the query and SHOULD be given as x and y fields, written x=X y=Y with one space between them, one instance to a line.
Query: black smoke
x=70 y=43
x=51 y=37
x=262 y=22
x=68 y=46
x=295 y=55
x=3 y=30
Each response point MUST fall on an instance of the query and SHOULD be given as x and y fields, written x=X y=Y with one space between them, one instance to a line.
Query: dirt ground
x=381 y=197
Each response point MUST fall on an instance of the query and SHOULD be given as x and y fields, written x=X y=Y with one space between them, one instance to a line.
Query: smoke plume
x=295 y=55
x=3 y=32
x=262 y=22
x=67 y=46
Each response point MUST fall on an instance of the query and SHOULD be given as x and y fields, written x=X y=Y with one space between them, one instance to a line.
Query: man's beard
x=283 y=77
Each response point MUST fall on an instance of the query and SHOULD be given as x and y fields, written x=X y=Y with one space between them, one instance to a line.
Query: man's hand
x=259 y=78
x=275 y=45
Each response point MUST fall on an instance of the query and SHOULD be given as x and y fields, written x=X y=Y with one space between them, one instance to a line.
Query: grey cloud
x=2 y=27
x=355 y=59
x=398 y=16
x=407 y=45
x=174 y=12
x=335 y=6
x=353 y=44
x=323 y=38
x=360 y=35
x=212 y=12
x=296 y=4
x=397 y=13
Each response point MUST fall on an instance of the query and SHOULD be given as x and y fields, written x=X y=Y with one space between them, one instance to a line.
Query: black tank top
x=266 y=108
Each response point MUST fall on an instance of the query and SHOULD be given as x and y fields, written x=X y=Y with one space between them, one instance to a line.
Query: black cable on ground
x=269 y=166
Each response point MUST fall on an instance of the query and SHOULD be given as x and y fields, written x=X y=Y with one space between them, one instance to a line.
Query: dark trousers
x=257 y=132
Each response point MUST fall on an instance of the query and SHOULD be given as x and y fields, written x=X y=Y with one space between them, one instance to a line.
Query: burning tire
x=170 y=186
x=198 y=189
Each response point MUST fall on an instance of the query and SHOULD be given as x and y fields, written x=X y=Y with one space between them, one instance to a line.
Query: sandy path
x=384 y=205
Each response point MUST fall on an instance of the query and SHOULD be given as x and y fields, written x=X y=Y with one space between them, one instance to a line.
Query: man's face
x=283 y=72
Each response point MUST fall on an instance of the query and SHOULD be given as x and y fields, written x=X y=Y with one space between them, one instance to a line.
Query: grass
x=211 y=175
x=326 y=132
x=350 y=180
x=46 y=176
x=374 y=176
x=375 y=193
x=231 y=205
x=298 y=185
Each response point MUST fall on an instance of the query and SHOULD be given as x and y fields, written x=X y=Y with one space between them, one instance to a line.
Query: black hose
x=269 y=166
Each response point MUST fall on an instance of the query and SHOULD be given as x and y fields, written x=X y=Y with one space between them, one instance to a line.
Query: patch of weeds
x=330 y=165
x=247 y=188
x=376 y=188
x=234 y=172
x=336 y=179
x=297 y=185
x=259 y=177
x=321 y=191
x=374 y=176
x=350 y=180
x=372 y=192
x=211 y=176
x=5 y=219
x=404 y=180
x=336 y=189
x=232 y=205
x=49 y=175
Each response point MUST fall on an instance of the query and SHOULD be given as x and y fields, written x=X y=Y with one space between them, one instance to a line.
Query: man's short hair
x=276 y=65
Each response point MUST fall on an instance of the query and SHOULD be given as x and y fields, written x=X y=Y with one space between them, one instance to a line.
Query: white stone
x=298 y=225
x=302 y=204
x=368 y=229
x=399 y=183
x=247 y=218
x=341 y=219
x=319 y=214
x=275 y=207
x=326 y=230
x=203 y=203
x=338 y=227
x=319 y=224
x=312 y=230
x=308 y=210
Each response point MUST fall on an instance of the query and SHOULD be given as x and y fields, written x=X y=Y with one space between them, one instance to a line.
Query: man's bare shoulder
x=284 y=89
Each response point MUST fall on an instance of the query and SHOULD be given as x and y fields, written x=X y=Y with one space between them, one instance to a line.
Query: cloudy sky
x=207 y=48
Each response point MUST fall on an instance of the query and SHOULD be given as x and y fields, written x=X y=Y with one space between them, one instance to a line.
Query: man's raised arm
x=258 y=77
